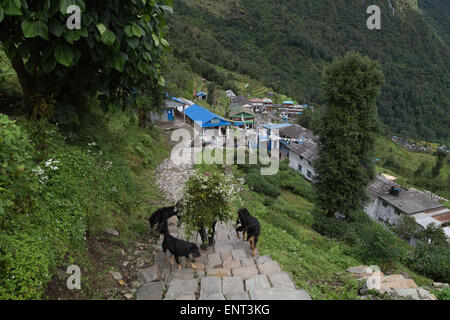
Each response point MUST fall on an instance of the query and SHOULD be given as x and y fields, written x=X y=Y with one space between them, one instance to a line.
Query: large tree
x=116 y=53
x=347 y=131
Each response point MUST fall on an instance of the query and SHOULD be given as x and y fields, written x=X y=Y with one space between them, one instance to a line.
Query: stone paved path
x=225 y=271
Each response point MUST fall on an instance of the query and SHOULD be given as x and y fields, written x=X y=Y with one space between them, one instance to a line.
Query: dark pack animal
x=250 y=228
x=178 y=248
x=161 y=215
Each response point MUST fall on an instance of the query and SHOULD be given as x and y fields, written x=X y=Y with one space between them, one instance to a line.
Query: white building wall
x=378 y=212
x=295 y=161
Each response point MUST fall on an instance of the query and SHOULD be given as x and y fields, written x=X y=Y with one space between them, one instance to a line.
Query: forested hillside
x=285 y=45
x=439 y=11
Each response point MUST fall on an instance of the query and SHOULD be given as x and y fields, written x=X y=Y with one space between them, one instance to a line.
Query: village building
x=293 y=134
x=201 y=95
x=389 y=202
x=267 y=104
x=242 y=116
x=167 y=114
x=230 y=94
x=204 y=120
x=258 y=104
x=270 y=127
x=240 y=100
x=301 y=157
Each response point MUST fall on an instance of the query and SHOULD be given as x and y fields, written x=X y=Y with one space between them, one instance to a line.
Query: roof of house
x=411 y=201
x=257 y=100
x=168 y=96
x=379 y=186
x=241 y=100
x=235 y=110
x=187 y=102
x=296 y=131
x=201 y=93
x=307 y=149
x=288 y=102
x=436 y=216
x=204 y=116
x=271 y=126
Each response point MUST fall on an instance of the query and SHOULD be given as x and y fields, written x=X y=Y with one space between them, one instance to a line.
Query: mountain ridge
x=286 y=45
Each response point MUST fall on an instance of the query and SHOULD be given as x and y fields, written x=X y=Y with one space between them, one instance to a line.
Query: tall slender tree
x=347 y=134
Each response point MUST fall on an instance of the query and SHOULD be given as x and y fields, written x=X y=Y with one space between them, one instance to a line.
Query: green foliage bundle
x=209 y=196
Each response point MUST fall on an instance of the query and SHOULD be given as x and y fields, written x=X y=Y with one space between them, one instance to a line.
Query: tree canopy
x=347 y=133
x=115 y=54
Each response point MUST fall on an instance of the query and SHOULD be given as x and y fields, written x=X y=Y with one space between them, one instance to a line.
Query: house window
x=309 y=162
x=397 y=212
x=309 y=174
x=301 y=158
x=300 y=168
x=384 y=204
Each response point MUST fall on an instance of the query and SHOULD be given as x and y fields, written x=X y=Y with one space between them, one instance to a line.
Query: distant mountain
x=439 y=11
x=286 y=44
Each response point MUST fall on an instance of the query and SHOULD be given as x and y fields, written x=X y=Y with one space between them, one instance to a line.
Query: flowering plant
x=208 y=197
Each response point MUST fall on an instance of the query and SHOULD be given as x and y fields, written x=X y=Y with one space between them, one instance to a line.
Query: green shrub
x=333 y=228
x=259 y=184
x=431 y=260
x=18 y=183
x=56 y=186
x=443 y=294
x=377 y=245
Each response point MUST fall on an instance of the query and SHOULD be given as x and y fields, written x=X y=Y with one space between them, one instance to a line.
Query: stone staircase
x=225 y=271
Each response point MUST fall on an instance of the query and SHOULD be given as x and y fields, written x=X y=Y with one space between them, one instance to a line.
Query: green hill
x=286 y=45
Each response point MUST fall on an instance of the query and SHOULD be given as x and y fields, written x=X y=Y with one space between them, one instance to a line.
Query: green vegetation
x=286 y=47
x=413 y=169
x=209 y=196
x=316 y=250
x=115 y=53
x=347 y=134
x=60 y=186
x=74 y=161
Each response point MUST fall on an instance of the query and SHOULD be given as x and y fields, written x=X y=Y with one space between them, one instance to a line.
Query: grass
x=403 y=163
x=106 y=184
x=316 y=264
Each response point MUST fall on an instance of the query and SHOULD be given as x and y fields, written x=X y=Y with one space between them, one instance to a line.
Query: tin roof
x=296 y=131
x=307 y=149
x=379 y=186
x=411 y=201
x=205 y=117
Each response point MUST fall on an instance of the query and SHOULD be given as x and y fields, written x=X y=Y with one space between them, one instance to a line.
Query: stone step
x=150 y=291
x=279 y=293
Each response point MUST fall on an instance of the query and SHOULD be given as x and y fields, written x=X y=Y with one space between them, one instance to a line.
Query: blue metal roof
x=277 y=125
x=204 y=117
x=174 y=99
x=288 y=102
x=201 y=93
